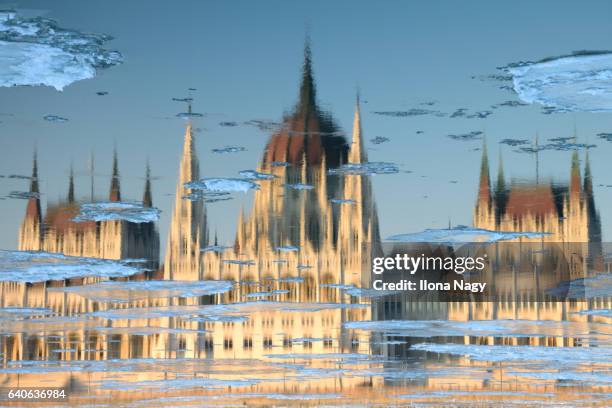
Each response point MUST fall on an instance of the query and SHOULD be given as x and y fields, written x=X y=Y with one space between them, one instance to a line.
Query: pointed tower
x=484 y=212
x=307 y=130
x=187 y=233
x=30 y=232
x=147 y=197
x=115 y=188
x=501 y=192
x=357 y=153
x=358 y=233
x=71 y=186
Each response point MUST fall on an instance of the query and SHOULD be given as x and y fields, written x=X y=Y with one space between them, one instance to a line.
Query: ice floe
x=299 y=186
x=263 y=124
x=473 y=135
x=368 y=168
x=228 y=124
x=463 y=234
x=208 y=196
x=605 y=136
x=220 y=312
x=343 y=201
x=280 y=164
x=247 y=262
x=256 y=175
x=37 y=51
x=287 y=248
x=514 y=142
x=54 y=118
x=410 y=112
x=379 y=140
x=581 y=82
x=117 y=211
x=23 y=195
x=592 y=312
x=118 y=291
x=222 y=185
x=513 y=328
x=571 y=355
x=26 y=266
x=215 y=248
x=229 y=149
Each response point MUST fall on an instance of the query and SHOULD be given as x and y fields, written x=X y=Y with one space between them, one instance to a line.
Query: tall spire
x=147 y=198
x=357 y=152
x=588 y=178
x=307 y=87
x=575 y=188
x=484 y=190
x=71 y=185
x=501 y=181
x=115 y=189
x=34 y=180
x=33 y=207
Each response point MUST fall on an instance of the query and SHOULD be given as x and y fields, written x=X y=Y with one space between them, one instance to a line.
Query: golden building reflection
x=300 y=248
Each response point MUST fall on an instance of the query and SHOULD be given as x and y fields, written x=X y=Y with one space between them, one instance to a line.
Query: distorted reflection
x=278 y=314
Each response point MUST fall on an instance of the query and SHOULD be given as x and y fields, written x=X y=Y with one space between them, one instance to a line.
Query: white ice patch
x=365 y=169
x=36 y=51
x=223 y=185
x=117 y=291
x=571 y=355
x=503 y=328
x=25 y=266
x=462 y=235
x=117 y=211
x=576 y=83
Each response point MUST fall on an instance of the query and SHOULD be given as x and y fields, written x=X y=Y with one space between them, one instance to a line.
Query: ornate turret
x=188 y=232
x=307 y=131
x=30 y=232
x=147 y=198
x=357 y=153
x=115 y=188
x=71 y=186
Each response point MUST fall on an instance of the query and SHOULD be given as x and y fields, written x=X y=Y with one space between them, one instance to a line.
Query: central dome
x=308 y=132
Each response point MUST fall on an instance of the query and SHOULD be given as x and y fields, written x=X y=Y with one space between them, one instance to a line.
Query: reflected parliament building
x=335 y=244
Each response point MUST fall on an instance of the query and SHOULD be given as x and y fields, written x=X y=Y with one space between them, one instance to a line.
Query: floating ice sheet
x=591 y=312
x=117 y=211
x=25 y=266
x=473 y=135
x=379 y=140
x=55 y=118
x=299 y=186
x=215 y=248
x=36 y=51
x=568 y=355
x=409 y=113
x=229 y=149
x=462 y=235
x=256 y=175
x=23 y=195
x=223 y=185
x=287 y=248
x=513 y=328
x=118 y=291
x=368 y=168
x=223 y=312
x=581 y=82
x=514 y=142
x=343 y=201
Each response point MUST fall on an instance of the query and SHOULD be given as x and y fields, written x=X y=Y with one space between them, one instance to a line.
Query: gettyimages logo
x=412 y=264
